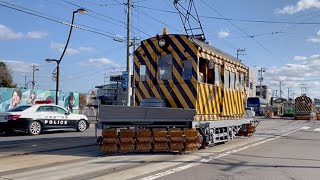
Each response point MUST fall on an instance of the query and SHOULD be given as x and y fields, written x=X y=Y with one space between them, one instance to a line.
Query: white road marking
x=171 y=171
x=317 y=129
x=305 y=128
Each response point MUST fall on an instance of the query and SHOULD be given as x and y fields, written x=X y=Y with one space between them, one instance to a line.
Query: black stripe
x=140 y=92
x=179 y=69
x=137 y=72
x=173 y=95
x=206 y=95
x=147 y=53
x=189 y=50
x=148 y=74
x=201 y=92
x=163 y=96
x=137 y=99
x=146 y=84
x=192 y=88
x=152 y=61
x=182 y=92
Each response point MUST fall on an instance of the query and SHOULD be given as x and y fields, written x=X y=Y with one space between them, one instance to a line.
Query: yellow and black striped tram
x=190 y=74
x=303 y=107
x=201 y=91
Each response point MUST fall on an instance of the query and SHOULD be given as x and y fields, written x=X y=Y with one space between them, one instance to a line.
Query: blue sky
x=282 y=41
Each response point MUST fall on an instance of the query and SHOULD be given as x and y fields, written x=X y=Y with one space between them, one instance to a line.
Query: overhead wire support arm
x=187 y=17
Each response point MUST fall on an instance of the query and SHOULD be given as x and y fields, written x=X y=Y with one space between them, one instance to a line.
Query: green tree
x=5 y=76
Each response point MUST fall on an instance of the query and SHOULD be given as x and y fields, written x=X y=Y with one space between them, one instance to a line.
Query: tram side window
x=242 y=81
x=226 y=78
x=187 y=69
x=237 y=82
x=165 y=67
x=202 y=70
x=232 y=80
x=217 y=75
x=210 y=75
x=143 y=72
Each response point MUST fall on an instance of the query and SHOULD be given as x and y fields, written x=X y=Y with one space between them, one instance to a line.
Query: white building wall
x=251 y=92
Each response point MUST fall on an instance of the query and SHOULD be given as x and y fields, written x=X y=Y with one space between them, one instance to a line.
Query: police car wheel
x=34 y=128
x=82 y=126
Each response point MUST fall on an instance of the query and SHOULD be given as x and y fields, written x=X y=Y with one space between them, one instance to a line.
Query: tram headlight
x=162 y=42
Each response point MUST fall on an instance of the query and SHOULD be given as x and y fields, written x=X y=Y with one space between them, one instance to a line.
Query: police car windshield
x=19 y=108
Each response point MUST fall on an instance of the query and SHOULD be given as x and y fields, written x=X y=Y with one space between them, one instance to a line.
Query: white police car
x=33 y=119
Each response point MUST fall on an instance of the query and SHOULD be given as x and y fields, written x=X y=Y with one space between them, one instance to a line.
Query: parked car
x=250 y=113
x=34 y=119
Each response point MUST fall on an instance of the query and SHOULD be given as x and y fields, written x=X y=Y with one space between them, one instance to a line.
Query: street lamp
x=80 y=11
x=57 y=75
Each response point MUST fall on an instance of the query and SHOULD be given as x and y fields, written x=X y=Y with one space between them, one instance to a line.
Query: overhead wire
x=240 y=29
x=261 y=21
x=95 y=12
x=47 y=17
x=33 y=14
x=256 y=35
x=44 y=16
x=241 y=20
x=205 y=26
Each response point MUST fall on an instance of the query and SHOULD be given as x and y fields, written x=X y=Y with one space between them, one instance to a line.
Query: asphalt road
x=22 y=144
x=293 y=155
x=279 y=149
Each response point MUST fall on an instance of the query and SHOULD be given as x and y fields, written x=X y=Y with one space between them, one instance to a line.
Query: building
x=251 y=84
x=266 y=92
x=111 y=94
x=114 y=91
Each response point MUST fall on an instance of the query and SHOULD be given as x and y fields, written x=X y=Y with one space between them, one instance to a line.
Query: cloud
x=36 y=35
x=315 y=39
x=85 y=49
x=69 y=50
x=316 y=56
x=19 y=66
x=98 y=62
x=300 y=6
x=8 y=34
x=299 y=58
x=223 y=34
x=295 y=74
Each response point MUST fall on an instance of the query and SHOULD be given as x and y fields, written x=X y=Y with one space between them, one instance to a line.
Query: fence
x=91 y=113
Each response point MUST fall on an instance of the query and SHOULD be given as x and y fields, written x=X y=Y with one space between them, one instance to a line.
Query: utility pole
x=134 y=86
x=303 y=88
x=128 y=55
x=34 y=69
x=261 y=71
x=288 y=94
x=280 y=88
x=240 y=50
x=25 y=81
